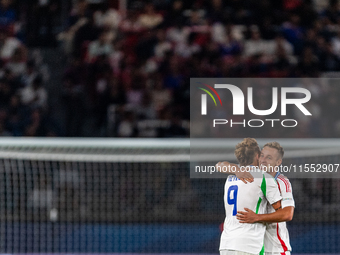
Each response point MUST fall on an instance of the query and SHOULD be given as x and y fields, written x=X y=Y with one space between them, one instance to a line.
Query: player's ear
x=279 y=162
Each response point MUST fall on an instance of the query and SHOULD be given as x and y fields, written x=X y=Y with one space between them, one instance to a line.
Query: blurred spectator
x=107 y=17
x=229 y=45
x=173 y=79
x=255 y=45
x=35 y=95
x=18 y=115
x=102 y=98
x=293 y=32
x=30 y=73
x=332 y=12
x=134 y=94
x=329 y=61
x=80 y=15
x=150 y=19
x=37 y=124
x=187 y=48
x=7 y=14
x=41 y=32
x=282 y=44
x=146 y=111
x=102 y=46
x=163 y=46
x=175 y=15
x=8 y=44
x=74 y=96
x=83 y=36
x=79 y=12
x=178 y=33
x=308 y=64
x=195 y=17
x=116 y=95
x=126 y=127
x=308 y=14
x=131 y=23
x=216 y=11
x=336 y=44
x=17 y=64
x=160 y=96
x=267 y=29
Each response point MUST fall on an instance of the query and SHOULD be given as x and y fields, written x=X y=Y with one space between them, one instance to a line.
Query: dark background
x=67 y=70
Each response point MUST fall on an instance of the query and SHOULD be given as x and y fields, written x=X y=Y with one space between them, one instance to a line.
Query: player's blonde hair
x=246 y=151
x=276 y=145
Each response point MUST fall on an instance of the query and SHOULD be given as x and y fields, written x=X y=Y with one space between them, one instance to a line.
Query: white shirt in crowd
x=9 y=47
x=36 y=97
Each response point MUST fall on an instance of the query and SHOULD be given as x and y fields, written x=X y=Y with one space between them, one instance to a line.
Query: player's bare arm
x=280 y=215
x=231 y=168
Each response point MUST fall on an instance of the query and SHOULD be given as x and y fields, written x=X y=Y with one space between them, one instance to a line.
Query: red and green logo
x=204 y=97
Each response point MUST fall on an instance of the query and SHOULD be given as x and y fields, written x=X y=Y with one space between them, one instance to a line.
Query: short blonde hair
x=276 y=145
x=246 y=151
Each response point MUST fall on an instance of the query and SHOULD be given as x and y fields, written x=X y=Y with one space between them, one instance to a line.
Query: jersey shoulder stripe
x=286 y=182
x=278 y=185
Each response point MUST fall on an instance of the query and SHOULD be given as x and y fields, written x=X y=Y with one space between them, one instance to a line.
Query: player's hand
x=247 y=217
x=220 y=164
x=245 y=176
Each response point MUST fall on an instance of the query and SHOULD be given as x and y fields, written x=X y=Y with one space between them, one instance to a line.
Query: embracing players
x=276 y=240
x=238 y=238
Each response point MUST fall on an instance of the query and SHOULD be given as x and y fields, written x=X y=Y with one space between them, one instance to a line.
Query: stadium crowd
x=23 y=75
x=131 y=73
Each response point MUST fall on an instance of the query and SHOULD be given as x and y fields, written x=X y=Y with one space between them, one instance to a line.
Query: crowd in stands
x=130 y=72
x=23 y=75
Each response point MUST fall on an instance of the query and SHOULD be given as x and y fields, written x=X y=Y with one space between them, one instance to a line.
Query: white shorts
x=231 y=252
x=277 y=253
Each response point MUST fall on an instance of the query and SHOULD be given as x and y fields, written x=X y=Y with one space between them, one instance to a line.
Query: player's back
x=237 y=196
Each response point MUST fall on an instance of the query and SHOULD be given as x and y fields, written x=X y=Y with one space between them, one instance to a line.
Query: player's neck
x=272 y=173
x=255 y=163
